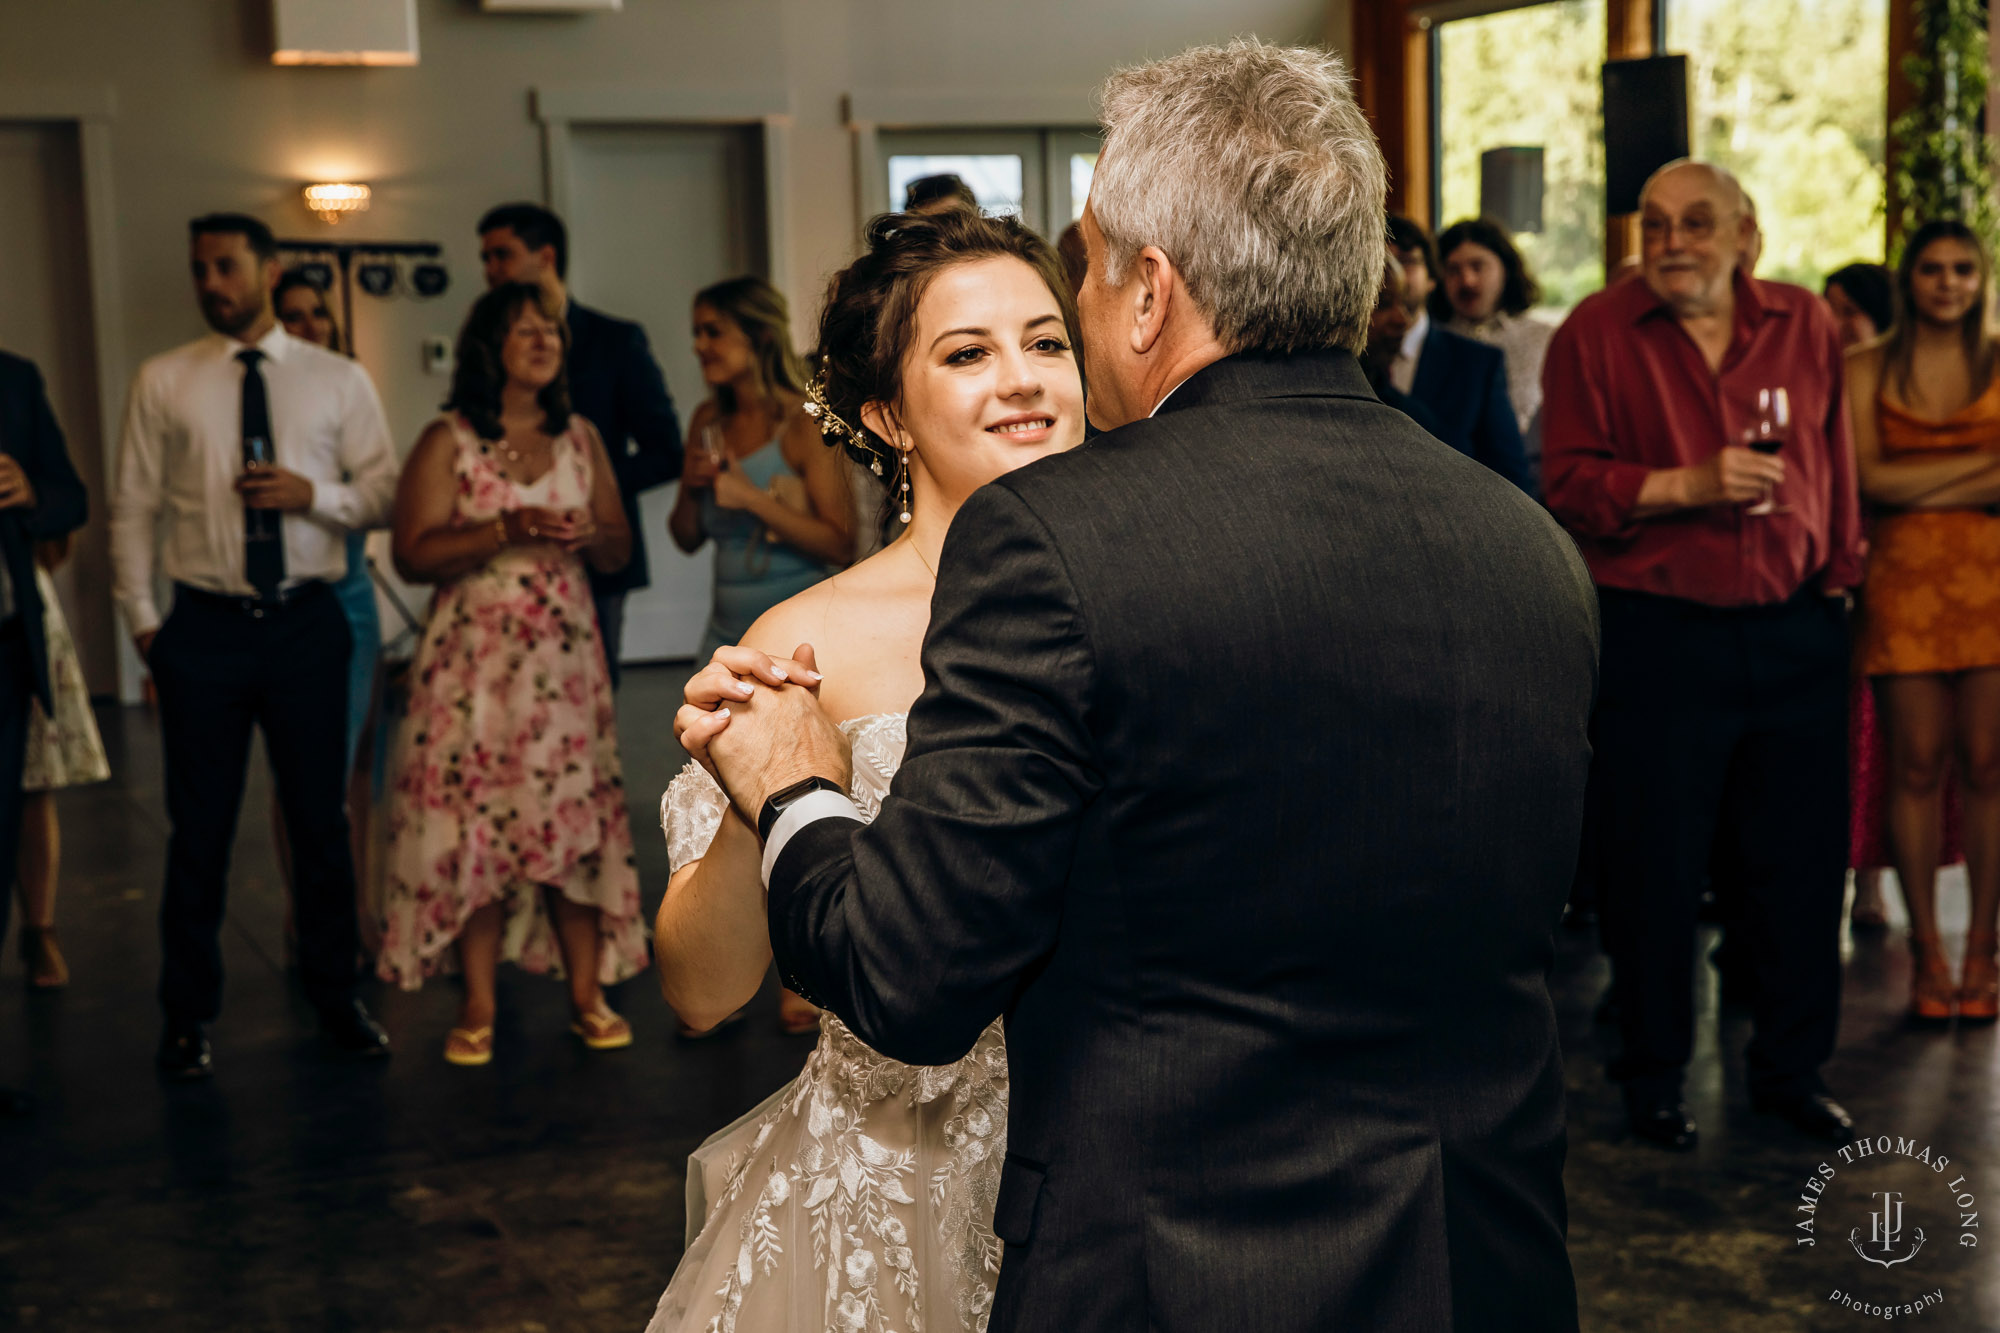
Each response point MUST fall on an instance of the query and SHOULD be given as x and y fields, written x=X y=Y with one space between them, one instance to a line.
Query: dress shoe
x=1663 y=1120
x=1813 y=1114
x=184 y=1051
x=350 y=1030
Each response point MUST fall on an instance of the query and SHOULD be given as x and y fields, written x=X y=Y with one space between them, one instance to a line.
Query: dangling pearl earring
x=903 y=471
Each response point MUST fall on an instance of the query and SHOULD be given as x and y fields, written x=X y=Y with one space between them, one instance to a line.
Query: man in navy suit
x=614 y=382
x=41 y=497
x=1460 y=381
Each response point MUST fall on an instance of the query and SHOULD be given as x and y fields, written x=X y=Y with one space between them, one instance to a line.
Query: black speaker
x=1645 y=124
x=1510 y=188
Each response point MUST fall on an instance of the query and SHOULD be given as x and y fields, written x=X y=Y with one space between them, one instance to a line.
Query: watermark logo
x=1892 y=1199
x=1885 y=1232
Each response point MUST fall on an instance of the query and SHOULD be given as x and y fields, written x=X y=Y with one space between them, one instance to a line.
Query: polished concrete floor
x=543 y=1193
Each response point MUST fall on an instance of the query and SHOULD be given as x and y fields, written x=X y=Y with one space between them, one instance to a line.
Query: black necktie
x=263 y=534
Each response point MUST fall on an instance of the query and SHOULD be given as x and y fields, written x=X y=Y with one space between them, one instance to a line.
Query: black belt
x=250 y=604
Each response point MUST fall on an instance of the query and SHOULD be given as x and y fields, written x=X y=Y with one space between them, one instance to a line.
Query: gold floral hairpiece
x=832 y=428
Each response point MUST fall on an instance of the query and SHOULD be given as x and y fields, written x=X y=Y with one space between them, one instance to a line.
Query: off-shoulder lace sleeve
x=691 y=810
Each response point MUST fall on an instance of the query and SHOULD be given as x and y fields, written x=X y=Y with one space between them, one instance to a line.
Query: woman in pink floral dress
x=508 y=833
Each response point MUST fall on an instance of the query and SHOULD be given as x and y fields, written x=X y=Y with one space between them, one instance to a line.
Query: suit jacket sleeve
x=648 y=413
x=1497 y=435
x=919 y=929
x=61 y=502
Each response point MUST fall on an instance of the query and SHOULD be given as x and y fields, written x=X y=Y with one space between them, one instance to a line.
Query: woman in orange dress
x=1927 y=437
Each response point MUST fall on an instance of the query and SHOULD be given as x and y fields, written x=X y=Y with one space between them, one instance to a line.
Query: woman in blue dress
x=758 y=482
x=302 y=309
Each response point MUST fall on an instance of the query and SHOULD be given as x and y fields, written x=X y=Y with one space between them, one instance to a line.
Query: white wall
x=203 y=121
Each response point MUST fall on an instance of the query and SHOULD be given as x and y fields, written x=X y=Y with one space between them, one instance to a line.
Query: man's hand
x=274 y=488
x=16 y=491
x=776 y=734
x=1733 y=476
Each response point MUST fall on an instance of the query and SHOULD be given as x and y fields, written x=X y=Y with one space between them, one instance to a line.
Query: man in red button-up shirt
x=1722 y=697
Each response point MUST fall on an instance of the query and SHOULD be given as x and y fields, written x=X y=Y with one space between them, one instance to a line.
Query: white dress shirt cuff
x=142 y=615
x=334 y=503
x=814 y=805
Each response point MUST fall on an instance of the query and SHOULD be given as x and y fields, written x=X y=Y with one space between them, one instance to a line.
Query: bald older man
x=1721 y=706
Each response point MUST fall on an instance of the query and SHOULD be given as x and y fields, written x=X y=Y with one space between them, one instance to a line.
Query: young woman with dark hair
x=1926 y=410
x=508 y=833
x=1486 y=293
x=947 y=357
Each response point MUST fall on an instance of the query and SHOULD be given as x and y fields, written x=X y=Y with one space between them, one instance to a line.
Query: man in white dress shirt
x=247 y=456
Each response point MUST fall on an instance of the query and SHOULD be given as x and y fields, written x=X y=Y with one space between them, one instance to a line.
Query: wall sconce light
x=331 y=201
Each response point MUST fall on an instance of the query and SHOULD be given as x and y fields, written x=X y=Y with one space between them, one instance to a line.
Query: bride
x=860 y=1196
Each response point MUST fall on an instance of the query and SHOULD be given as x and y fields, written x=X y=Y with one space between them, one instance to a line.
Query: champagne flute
x=1769 y=436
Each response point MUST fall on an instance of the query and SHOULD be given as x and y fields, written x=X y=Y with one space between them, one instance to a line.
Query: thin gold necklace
x=928 y=568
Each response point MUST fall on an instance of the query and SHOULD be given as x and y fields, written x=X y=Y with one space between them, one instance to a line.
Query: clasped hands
x=16 y=491
x=571 y=529
x=754 y=722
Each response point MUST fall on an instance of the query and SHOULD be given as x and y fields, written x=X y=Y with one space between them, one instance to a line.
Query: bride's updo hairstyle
x=869 y=319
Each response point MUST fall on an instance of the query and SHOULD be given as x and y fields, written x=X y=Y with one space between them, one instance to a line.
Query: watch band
x=775 y=804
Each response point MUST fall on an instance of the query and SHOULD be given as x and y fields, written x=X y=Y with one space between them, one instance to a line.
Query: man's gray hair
x=1252 y=167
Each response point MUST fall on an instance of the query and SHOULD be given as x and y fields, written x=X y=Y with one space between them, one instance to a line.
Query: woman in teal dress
x=757 y=481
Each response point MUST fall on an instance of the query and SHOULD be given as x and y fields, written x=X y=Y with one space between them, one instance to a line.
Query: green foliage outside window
x=1529 y=77
x=1944 y=164
x=1788 y=94
x=1792 y=96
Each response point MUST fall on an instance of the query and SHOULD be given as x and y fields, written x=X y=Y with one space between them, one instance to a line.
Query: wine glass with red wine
x=1769 y=436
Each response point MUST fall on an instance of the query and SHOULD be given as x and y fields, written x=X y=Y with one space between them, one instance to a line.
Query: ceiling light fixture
x=331 y=201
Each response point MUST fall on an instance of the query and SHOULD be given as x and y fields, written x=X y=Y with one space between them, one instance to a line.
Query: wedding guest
x=42 y=501
x=1462 y=383
x=1927 y=435
x=928 y=194
x=614 y=383
x=1386 y=327
x=1486 y=295
x=1074 y=254
x=508 y=834
x=254 y=454
x=64 y=750
x=1863 y=300
x=303 y=310
x=757 y=481
x=1724 y=660
x=759 y=484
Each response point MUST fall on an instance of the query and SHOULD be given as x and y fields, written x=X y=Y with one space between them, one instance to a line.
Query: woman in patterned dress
x=63 y=751
x=860 y=1196
x=1926 y=416
x=508 y=833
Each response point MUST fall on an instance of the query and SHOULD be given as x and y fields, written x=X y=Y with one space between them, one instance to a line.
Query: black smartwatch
x=780 y=801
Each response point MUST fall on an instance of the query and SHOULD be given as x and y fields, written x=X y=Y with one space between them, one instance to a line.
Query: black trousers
x=222 y=666
x=17 y=690
x=1729 y=723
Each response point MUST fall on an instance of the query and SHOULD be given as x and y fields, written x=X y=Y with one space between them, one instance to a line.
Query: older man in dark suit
x=1245 y=782
x=40 y=497
x=614 y=382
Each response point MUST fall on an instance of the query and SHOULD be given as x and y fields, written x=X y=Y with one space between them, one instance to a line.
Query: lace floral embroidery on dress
x=862 y=1198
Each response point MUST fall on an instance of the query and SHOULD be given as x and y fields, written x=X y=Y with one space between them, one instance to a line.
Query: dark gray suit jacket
x=1246 y=783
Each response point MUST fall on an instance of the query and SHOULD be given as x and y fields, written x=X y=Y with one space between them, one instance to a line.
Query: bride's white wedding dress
x=859 y=1197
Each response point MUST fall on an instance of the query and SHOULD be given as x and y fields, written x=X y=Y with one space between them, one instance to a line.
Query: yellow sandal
x=602 y=1030
x=469 y=1046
